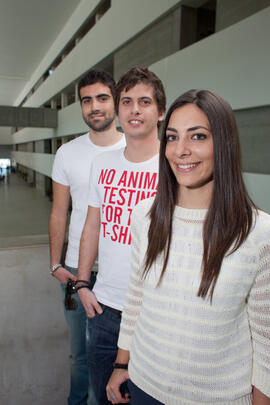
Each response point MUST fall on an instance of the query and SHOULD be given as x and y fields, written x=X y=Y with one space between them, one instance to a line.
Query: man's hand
x=63 y=275
x=89 y=302
x=114 y=395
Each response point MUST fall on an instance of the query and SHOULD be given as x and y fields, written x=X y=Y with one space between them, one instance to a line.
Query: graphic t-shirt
x=116 y=186
x=71 y=168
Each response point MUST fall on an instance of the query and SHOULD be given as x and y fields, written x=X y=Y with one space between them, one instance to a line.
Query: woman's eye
x=199 y=137
x=171 y=138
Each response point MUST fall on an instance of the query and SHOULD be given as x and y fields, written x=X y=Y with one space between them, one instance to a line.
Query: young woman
x=196 y=324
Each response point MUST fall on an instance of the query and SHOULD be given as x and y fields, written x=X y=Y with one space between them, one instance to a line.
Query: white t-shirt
x=116 y=186
x=71 y=168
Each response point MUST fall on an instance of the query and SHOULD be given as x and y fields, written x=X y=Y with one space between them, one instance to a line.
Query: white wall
x=32 y=134
x=258 y=186
x=5 y=136
x=69 y=122
x=234 y=62
x=120 y=23
x=41 y=162
x=84 y=9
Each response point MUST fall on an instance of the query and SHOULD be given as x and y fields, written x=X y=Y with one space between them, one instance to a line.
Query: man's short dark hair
x=138 y=75
x=97 y=76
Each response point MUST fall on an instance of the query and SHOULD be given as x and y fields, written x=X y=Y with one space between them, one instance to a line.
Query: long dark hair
x=230 y=215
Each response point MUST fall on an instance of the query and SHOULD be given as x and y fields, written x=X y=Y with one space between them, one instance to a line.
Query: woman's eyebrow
x=198 y=127
x=171 y=129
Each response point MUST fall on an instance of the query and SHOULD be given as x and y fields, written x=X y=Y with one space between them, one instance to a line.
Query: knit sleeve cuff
x=261 y=380
x=124 y=341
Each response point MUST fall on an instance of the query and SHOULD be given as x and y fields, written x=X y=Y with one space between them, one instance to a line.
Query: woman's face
x=189 y=148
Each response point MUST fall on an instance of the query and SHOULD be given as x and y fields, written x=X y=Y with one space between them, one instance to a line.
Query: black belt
x=113 y=310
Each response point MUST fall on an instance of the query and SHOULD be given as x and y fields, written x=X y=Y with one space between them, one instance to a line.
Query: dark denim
x=139 y=397
x=76 y=321
x=102 y=337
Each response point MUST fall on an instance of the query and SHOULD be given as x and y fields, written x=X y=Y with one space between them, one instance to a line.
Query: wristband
x=82 y=286
x=120 y=366
x=54 y=268
x=82 y=281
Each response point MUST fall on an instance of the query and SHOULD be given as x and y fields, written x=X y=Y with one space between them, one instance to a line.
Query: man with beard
x=70 y=179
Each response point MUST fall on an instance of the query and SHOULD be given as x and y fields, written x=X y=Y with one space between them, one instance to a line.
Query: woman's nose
x=182 y=147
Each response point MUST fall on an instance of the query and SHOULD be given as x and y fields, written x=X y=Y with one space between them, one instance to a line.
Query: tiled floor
x=24 y=214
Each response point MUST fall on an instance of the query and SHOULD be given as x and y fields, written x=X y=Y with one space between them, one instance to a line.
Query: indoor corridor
x=34 y=342
x=24 y=213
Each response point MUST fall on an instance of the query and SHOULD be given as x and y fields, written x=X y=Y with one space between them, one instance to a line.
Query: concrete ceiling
x=27 y=30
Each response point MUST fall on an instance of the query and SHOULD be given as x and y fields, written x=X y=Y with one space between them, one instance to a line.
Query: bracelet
x=54 y=268
x=82 y=286
x=82 y=281
x=120 y=366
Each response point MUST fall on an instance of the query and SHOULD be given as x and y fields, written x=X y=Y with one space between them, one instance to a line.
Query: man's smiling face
x=97 y=106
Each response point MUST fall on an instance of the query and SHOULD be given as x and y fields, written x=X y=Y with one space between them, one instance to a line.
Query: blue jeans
x=76 y=321
x=102 y=337
x=139 y=397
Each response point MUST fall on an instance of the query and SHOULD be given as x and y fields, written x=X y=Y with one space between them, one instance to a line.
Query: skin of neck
x=140 y=149
x=196 y=198
x=108 y=137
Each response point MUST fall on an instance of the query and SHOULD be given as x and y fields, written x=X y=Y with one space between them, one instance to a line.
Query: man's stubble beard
x=101 y=126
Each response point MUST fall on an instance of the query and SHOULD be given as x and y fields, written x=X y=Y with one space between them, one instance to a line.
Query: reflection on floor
x=24 y=214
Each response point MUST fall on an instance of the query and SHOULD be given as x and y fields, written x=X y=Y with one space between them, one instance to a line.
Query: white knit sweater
x=183 y=349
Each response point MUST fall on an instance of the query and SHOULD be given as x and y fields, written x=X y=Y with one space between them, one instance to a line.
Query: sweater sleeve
x=259 y=320
x=135 y=290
